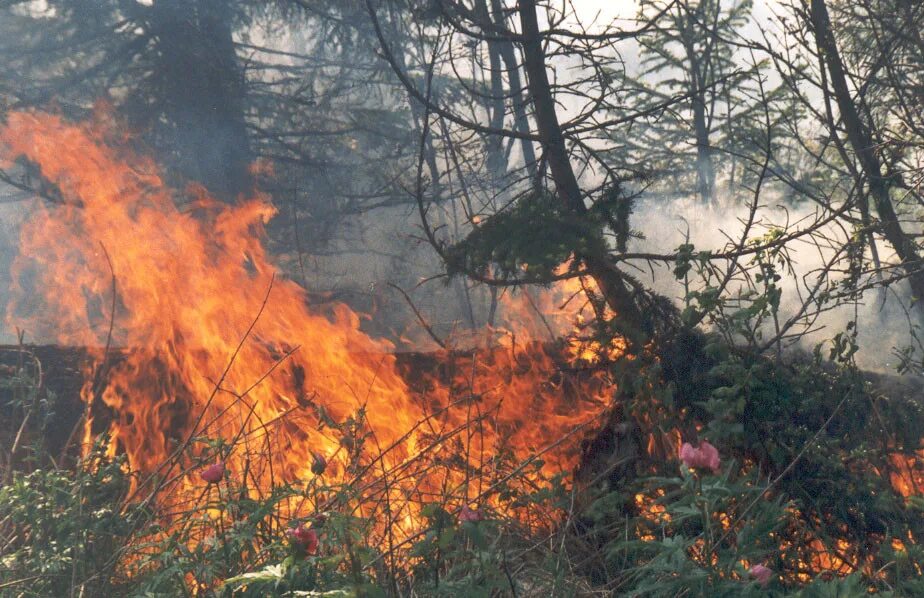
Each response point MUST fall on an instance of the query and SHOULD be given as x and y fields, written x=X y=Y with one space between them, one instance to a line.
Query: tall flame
x=217 y=343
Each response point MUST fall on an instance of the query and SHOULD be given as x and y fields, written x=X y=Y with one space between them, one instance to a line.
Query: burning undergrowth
x=234 y=423
x=226 y=362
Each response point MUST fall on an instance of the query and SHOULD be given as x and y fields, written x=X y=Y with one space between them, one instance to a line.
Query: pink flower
x=213 y=473
x=761 y=574
x=467 y=514
x=704 y=457
x=305 y=537
x=319 y=466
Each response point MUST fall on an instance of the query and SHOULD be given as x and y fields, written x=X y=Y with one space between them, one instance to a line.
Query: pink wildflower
x=213 y=473
x=467 y=514
x=704 y=457
x=304 y=537
x=762 y=574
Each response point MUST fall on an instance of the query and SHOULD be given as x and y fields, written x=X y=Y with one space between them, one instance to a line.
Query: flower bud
x=213 y=473
x=762 y=574
x=467 y=514
x=305 y=537
x=319 y=465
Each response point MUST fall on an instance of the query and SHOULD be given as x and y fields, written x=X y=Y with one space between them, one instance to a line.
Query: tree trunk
x=201 y=86
x=613 y=284
x=520 y=118
x=497 y=165
x=705 y=170
x=858 y=135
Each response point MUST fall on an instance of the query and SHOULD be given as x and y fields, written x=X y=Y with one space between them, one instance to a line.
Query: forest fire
x=220 y=346
x=482 y=298
x=228 y=377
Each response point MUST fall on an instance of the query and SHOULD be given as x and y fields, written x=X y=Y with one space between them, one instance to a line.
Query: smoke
x=13 y=212
x=385 y=247
x=880 y=315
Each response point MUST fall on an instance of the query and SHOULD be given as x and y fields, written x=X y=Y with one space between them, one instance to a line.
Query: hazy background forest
x=304 y=87
x=657 y=224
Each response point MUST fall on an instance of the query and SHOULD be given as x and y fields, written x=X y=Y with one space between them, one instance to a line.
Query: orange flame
x=218 y=344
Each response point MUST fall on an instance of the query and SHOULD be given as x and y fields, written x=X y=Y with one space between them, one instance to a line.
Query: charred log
x=40 y=396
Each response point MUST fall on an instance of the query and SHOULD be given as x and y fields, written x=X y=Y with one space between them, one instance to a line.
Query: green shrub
x=64 y=529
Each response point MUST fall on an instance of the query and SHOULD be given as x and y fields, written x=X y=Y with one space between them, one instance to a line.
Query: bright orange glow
x=219 y=344
x=216 y=343
x=906 y=474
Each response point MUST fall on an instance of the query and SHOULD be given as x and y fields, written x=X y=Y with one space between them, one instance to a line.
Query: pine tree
x=689 y=66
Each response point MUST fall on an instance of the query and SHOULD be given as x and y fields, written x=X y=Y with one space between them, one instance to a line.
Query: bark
x=520 y=117
x=201 y=86
x=497 y=165
x=705 y=172
x=612 y=282
x=860 y=139
x=697 y=72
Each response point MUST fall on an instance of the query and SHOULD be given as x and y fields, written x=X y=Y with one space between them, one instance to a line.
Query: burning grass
x=228 y=364
x=244 y=442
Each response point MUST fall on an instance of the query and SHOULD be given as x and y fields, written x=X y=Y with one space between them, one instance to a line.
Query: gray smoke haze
x=384 y=247
x=389 y=250
x=882 y=324
x=12 y=213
